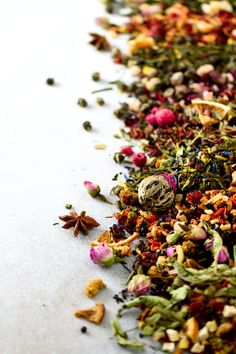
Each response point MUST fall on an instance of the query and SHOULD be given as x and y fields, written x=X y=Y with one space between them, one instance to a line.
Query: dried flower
x=140 y=284
x=94 y=190
x=140 y=159
x=170 y=251
x=127 y=150
x=103 y=255
x=223 y=255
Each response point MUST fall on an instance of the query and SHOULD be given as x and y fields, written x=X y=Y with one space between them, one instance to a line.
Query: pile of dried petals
x=179 y=198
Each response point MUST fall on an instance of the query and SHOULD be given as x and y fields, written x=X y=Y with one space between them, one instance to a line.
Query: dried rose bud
x=223 y=255
x=93 y=189
x=208 y=244
x=103 y=255
x=140 y=159
x=127 y=150
x=170 y=251
x=140 y=284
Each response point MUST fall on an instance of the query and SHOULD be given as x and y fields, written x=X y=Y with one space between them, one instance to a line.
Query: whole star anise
x=79 y=222
x=99 y=42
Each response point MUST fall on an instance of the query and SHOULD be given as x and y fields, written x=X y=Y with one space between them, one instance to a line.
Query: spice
x=83 y=329
x=87 y=126
x=96 y=76
x=82 y=102
x=50 y=81
x=100 y=42
x=80 y=222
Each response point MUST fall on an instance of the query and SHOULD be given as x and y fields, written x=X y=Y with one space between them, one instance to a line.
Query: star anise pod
x=100 y=42
x=79 y=222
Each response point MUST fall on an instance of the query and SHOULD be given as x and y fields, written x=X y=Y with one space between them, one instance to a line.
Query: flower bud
x=102 y=255
x=208 y=244
x=223 y=255
x=170 y=251
x=93 y=189
x=140 y=284
x=140 y=159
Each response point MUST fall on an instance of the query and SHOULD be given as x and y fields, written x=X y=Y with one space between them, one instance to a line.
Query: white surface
x=45 y=156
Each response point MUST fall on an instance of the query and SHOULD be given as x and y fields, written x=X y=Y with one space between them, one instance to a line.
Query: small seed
x=83 y=329
x=82 y=102
x=68 y=206
x=50 y=81
x=100 y=101
x=96 y=76
x=87 y=126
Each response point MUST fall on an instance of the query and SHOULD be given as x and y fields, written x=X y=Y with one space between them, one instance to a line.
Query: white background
x=45 y=156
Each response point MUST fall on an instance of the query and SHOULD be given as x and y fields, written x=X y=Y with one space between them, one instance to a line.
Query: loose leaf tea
x=177 y=197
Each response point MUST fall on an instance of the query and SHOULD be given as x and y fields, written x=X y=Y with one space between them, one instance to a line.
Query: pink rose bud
x=171 y=179
x=102 y=255
x=140 y=159
x=170 y=251
x=127 y=150
x=208 y=244
x=140 y=284
x=223 y=255
x=164 y=117
x=93 y=189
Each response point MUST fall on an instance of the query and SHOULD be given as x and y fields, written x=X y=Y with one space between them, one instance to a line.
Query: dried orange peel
x=201 y=105
x=94 y=314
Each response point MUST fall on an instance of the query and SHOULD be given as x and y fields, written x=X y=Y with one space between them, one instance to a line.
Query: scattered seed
x=82 y=102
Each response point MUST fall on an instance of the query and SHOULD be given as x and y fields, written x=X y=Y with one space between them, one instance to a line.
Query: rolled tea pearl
x=157 y=192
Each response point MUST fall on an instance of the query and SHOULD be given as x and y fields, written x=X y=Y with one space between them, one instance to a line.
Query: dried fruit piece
x=93 y=286
x=192 y=328
x=94 y=314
